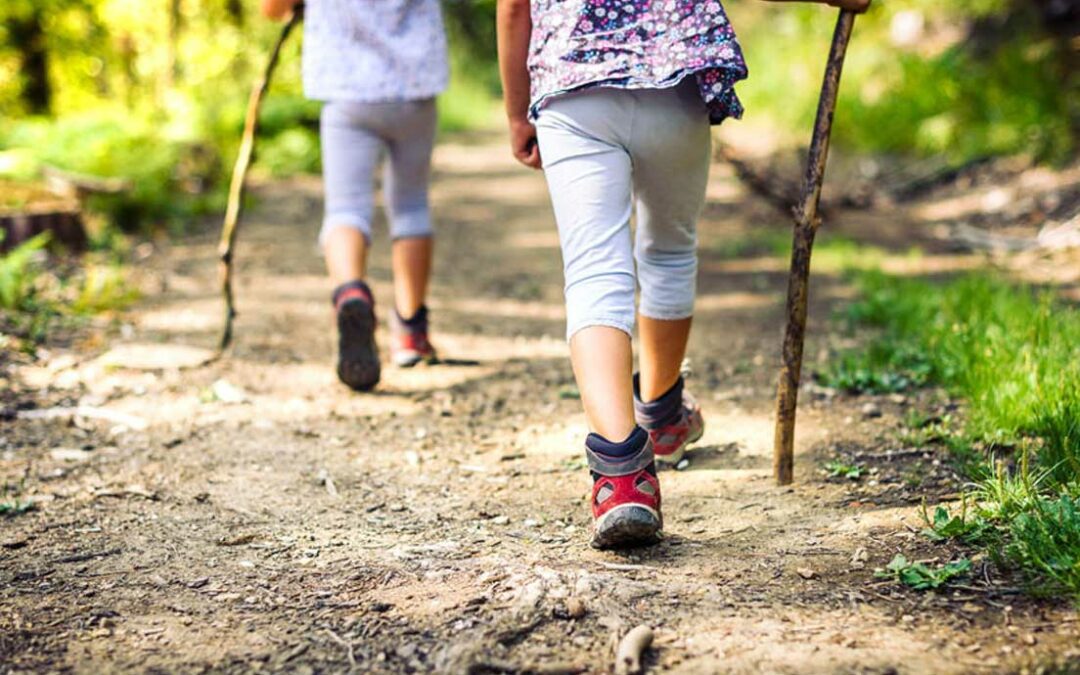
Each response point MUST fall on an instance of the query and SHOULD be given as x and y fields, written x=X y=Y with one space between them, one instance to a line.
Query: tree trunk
x=176 y=19
x=235 y=10
x=28 y=36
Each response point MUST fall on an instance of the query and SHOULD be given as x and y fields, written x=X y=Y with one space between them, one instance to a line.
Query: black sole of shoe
x=626 y=528
x=358 y=357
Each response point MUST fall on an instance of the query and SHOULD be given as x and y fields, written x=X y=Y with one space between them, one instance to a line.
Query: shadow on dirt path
x=255 y=515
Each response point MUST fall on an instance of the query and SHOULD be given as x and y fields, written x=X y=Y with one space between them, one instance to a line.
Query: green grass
x=833 y=253
x=1013 y=354
x=102 y=288
x=1046 y=541
x=882 y=367
x=36 y=294
x=18 y=268
x=761 y=241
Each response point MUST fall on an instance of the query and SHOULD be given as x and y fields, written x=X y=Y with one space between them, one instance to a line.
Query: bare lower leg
x=603 y=366
x=412 y=269
x=345 y=250
x=663 y=346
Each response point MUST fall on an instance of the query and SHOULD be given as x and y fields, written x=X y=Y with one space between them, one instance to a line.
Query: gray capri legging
x=354 y=137
x=607 y=153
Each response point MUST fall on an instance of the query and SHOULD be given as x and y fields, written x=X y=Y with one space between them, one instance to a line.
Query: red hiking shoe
x=626 y=493
x=674 y=422
x=409 y=344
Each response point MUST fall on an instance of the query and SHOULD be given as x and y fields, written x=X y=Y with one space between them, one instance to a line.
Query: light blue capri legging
x=607 y=152
x=355 y=135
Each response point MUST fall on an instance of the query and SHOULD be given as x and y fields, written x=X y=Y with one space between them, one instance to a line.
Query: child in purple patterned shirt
x=614 y=99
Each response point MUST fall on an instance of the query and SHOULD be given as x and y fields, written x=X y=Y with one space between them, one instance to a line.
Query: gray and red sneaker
x=409 y=344
x=626 y=493
x=358 y=355
x=673 y=421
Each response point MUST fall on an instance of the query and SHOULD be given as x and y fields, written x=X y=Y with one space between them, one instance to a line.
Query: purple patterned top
x=635 y=44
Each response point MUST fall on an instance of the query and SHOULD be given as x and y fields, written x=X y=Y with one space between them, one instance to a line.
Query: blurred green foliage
x=17 y=271
x=38 y=293
x=155 y=91
x=963 y=79
x=134 y=90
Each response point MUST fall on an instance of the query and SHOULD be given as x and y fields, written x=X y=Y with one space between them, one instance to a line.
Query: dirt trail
x=265 y=518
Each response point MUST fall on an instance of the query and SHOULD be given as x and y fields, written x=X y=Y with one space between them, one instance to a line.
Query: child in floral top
x=614 y=100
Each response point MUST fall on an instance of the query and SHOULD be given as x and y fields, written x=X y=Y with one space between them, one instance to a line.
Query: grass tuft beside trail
x=1014 y=355
x=36 y=291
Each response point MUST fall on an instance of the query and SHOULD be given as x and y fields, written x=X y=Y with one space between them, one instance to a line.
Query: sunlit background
x=155 y=90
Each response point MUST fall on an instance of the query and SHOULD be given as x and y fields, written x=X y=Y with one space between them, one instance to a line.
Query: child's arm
x=857 y=6
x=514 y=27
x=277 y=9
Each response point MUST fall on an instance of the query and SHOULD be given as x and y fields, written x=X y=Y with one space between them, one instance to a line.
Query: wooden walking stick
x=806 y=225
x=239 y=176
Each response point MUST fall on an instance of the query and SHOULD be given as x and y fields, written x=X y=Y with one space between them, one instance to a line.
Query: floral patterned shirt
x=374 y=50
x=635 y=44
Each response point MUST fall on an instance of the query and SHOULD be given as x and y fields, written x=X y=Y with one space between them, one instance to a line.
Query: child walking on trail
x=377 y=65
x=614 y=100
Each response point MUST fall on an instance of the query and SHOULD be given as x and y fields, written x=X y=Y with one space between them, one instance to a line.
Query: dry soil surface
x=252 y=514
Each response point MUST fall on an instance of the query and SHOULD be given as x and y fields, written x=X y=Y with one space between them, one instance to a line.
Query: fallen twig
x=89 y=412
x=631 y=647
x=627 y=567
x=129 y=491
x=936 y=177
x=513 y=636
x=1054 y=236
x=347 y=645
x=82 y=184
x=239 y=540
x=83 y=557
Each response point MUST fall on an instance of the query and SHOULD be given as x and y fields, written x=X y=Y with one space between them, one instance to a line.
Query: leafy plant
x=838 y=469
x=920 y=576
x=12 y=504
x=946 y=525
x=17 y=271
x=15 y=507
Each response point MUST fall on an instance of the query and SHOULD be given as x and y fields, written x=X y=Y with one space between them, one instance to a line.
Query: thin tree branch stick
x=239 y=177
x=806 y=224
